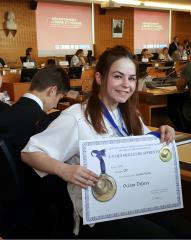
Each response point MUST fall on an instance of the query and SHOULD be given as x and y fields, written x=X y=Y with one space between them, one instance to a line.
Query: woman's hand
x=167 y=134
x=78 y=175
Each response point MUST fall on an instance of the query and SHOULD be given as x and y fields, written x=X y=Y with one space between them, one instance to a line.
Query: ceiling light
x=168 y=6
x=129 y=2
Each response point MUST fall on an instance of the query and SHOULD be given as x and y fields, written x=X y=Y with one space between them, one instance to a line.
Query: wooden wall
x=103 y=28
x=12 y=47
x=181 y=25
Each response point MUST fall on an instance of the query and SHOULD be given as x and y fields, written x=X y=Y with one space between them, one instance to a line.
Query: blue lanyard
x=100 y=155
x=112 y=122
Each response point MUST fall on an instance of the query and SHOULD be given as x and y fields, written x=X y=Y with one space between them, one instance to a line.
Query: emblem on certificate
x=105 y=188
x=165 y=154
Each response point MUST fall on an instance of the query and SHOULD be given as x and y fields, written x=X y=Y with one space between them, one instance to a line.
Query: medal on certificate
x=105 y=188
x=165 y=154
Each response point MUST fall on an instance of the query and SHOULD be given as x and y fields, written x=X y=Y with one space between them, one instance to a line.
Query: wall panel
x=181 y=22
x=103 y=28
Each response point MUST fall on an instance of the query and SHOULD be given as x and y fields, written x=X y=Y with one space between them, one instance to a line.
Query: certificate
x=138 y=175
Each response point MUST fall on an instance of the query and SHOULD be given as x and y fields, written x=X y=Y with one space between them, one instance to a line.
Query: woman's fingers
x=167 y=134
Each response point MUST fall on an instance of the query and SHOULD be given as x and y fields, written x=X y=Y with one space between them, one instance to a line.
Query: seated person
x=181 y=84
x=78 y=59
x=3 y=105
x=177 y=54
x=29 y=56
x=186 y=46
x=179 y=105
x=174 y=45
x=51 y=61
x=146 y=55
x=20 y=121
x=164 y=55
x=89 y=57
x=17 y=124
x=56 y=150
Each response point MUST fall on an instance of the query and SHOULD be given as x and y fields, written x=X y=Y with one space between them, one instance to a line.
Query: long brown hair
x=94 y=112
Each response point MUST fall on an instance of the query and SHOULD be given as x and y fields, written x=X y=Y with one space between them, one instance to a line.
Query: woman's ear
x=98 y=78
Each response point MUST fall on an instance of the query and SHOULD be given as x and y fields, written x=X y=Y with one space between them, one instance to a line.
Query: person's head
x=29 y=51
x=51 y=61
x=79 y=52
x=115 y=76
x=49 y=84
x=165 y=50
x=145 y=52
x=185 y=43
x=115 y=84
x=180 y=48
x=89 y=53
x=175 y=39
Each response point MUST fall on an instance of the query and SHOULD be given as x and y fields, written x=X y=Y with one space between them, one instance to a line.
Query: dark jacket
x=3 y=106
x=172 y=48
x=20 y=121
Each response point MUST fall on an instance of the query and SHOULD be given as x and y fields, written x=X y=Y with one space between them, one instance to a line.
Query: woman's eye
x=132 y=78
x=117 y=76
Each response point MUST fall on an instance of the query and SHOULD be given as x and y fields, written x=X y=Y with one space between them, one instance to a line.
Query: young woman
x=78 y=59
x=29 y=53
x=56 y=150
x=164 y=55
x=146 y=55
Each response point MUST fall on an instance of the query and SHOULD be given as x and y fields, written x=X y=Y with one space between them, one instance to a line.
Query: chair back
x=23 y=59
x=74 y=72
x=2 y=62
x=10 y=179
x=68 y=58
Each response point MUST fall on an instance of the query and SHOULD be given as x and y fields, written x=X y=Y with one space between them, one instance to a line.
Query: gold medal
x=105 y=188
x=165 y=154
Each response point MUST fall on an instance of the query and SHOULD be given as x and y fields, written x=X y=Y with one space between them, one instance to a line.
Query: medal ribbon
x=154 y=133
x=112 y=122
x=100 y=154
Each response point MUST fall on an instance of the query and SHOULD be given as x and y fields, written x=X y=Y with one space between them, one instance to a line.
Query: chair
x=19 y=206
x=138 y=57
x=185 y=125
x=27 y=74
x=74 y=74
x=28 y=209
x=10 y=179
x=175 y=103
x=2 y=62
x=68 y=58
x=23 y=59
x=155 y=56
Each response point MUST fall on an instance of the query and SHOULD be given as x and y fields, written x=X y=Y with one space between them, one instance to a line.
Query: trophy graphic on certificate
x=105 y=189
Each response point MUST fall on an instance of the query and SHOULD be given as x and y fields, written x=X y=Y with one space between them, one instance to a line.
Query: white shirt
x=67 y=130
x=75 y=61
x=35 y=98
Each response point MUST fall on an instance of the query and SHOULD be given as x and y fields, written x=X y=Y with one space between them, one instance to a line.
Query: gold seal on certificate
x=105 y=188
x=165 y=154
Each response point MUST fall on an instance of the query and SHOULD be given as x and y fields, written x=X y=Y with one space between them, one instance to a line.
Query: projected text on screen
x=62 y=29
x=151 y=29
